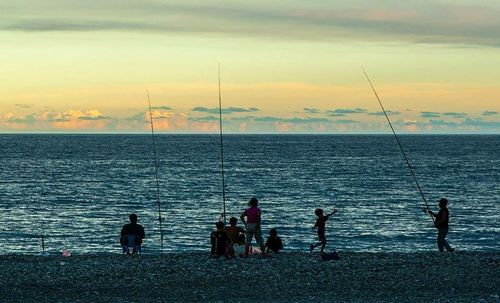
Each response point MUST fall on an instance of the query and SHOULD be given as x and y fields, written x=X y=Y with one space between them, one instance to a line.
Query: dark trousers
x=441 y=240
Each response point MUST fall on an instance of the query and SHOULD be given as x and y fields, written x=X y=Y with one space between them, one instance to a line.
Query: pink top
x=252 y=214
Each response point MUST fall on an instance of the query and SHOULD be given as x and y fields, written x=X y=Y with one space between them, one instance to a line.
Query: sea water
x=78 y=190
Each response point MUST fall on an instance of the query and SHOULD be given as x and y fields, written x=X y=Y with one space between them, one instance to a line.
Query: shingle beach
x=287 y=277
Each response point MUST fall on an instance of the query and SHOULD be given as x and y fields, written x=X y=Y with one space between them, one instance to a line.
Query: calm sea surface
x=79 y=189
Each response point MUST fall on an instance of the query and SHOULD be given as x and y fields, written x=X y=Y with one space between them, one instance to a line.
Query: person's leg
x=248 y=238
x=445 y=243
x=313 y=246
x=323 y=244
x=259 y=239
x=440 y=239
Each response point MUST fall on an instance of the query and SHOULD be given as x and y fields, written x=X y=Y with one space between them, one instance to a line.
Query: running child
x=320 y=225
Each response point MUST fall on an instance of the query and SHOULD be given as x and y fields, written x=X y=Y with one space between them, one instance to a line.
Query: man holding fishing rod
x=442 y=217
x=441 y=223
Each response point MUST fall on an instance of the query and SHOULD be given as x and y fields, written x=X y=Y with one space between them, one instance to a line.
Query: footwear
x=311 y=248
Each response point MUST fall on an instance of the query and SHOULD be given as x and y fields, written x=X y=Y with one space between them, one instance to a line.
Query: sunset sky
x=286 y=66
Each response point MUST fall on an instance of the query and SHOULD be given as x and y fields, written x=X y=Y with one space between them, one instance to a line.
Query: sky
x=286 y=66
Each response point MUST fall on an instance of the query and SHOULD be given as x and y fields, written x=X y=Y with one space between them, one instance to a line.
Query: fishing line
x=156 y=170
x=399 y=143
x=222 y=154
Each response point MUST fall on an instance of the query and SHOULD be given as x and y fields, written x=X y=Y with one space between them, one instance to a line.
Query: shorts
x=253 y=229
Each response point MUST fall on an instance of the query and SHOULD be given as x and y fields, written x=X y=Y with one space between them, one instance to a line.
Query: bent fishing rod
x=156 y=170
x=222 y=155
x=399 y=143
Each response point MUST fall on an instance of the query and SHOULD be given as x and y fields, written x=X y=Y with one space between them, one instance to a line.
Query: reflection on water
x=79 y=189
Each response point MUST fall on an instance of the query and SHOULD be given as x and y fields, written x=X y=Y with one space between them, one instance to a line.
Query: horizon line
x=235 y=133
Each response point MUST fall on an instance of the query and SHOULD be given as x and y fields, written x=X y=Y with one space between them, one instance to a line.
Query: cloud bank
x=442 y=22
x=250 y=120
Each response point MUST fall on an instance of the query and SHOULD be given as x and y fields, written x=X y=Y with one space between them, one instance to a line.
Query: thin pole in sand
x=222 y=154
x=399 y=143
x=156 y=169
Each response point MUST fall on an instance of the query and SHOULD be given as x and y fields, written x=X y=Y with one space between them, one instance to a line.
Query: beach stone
x=287 y=277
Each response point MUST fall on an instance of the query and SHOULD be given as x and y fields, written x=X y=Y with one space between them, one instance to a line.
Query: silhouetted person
x=236 y=234
x=273 y=242
x=220 y=241
x=320 y=225
x=132 y=232
x=441 y=223
x=252 y=224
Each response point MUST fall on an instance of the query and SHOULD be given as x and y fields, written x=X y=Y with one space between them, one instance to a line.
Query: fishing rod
x=156 y=169
x=43 y=243
x=399 y=143
x=222 y=155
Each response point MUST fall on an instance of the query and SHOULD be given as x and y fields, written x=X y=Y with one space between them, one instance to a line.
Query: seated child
x=273 y=243
x=237 y=236
x=220 y=242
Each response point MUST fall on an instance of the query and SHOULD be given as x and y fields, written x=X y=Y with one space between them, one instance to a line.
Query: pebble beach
x=285 y=277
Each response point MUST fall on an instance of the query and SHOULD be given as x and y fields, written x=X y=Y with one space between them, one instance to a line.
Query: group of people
x=228 y=241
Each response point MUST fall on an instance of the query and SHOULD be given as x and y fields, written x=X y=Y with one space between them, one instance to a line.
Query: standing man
x=132 y=232
x=441 y=223
x=252 y=226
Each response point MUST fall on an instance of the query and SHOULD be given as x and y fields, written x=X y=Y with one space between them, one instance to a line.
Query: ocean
x=78 y=190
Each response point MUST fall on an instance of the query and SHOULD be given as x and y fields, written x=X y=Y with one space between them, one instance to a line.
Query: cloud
x=478 y=122
x=244 y=118
x=490 y=113
x=295 y=120
x=163 y=107
x=28 y=119
x=95 y=118
x=472 y=23
x=227 y=111
x=340 y=112
x=163 y=120
x=442 y=123
x=430 y=114
x=311 y=110
x=345 y=121
x=204 y=119
x=23 y=105
x=77 y=120
x=455 y=115
x=381 y=113
x=139 y=117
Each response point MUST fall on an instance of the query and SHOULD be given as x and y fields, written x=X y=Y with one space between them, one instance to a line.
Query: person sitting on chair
x=131 y=236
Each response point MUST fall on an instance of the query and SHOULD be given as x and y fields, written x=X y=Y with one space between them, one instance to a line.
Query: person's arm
x=242 y=217
x=258 y=216
x=439 y=217
x=142 y=233
x=432 y=213
x=427 y=210
x=333 y=213
x=280 y=243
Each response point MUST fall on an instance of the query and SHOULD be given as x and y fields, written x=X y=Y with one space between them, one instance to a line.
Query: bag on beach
x=333 y=255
